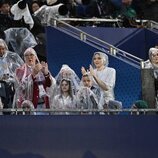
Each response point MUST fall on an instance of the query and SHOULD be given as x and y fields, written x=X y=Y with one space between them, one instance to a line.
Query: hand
x=37 y=68
x=91 y=70
x=83 y=70
x=44 y=68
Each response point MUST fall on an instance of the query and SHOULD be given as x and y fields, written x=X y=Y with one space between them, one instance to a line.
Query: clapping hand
x=44 y=68
x=83 y=70
x=91 y=70
x=37 y=69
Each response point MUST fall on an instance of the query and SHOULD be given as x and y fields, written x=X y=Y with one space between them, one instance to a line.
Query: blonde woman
x=104 y=77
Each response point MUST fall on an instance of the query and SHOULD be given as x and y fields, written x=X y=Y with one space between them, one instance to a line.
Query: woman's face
x=30 y=59
x=66 y=73
x=98 y=61
x=65 y=86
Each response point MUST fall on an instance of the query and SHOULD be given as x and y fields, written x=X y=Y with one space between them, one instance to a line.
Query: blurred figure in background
x=9 y=61
x=5 y=15
x=152 y=64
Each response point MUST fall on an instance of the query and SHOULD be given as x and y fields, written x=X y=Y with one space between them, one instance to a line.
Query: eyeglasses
x=154 y=55
x=27 y=55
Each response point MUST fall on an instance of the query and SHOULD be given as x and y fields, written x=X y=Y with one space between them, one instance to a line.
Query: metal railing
x=153 y=24
x=96 y=42
x=94 y=20
x=144 y=22
x=16 y=111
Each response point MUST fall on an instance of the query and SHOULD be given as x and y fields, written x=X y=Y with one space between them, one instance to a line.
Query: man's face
x=154 y=57
x=35 y=7
x=2 y=50
x=86 y=81
x=5 y=9
x=127 y=2
x=30 y=59
x=66 y=73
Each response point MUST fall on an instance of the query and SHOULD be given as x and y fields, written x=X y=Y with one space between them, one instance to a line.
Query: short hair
x=4 y=2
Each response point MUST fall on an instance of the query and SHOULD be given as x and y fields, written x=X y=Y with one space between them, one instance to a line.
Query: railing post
x=54 y=22
x=113 y=50
x=83 y=36
x=142 y=64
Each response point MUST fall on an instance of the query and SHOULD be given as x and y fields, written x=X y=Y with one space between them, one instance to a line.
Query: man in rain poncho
x=9 y=61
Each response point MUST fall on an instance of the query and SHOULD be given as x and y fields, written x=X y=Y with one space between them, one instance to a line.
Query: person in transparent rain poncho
x=88 y=95
x=67 y=73
x=20 y=39
x=104 y=78
x=9 y=61
x=46 y=13
x=152 y=63
x=64 y=98
x=35 y=82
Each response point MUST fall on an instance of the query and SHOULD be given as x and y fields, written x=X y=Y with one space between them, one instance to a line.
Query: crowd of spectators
x=22 y=31
x=29 y=84
x=35 y=14
x=123 y=9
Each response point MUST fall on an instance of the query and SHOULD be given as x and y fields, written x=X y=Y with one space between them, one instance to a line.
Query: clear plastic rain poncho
x=20 y=39
x=151 y=63
x=22 y=13
x=27 y=107
x=86 y=99
x=67 y=73
x=25 y=82
x=46 y=13
x=108 y=76
x=8 y=63
x=64 y=102
x=88 y=95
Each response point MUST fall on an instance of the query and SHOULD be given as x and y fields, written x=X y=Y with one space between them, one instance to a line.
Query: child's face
x=65 y=86
x=87 y=81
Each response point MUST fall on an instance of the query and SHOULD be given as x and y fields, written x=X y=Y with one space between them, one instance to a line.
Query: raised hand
x=37 y=69
x=91 y=70
x=44 y=68
x=83 y=70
